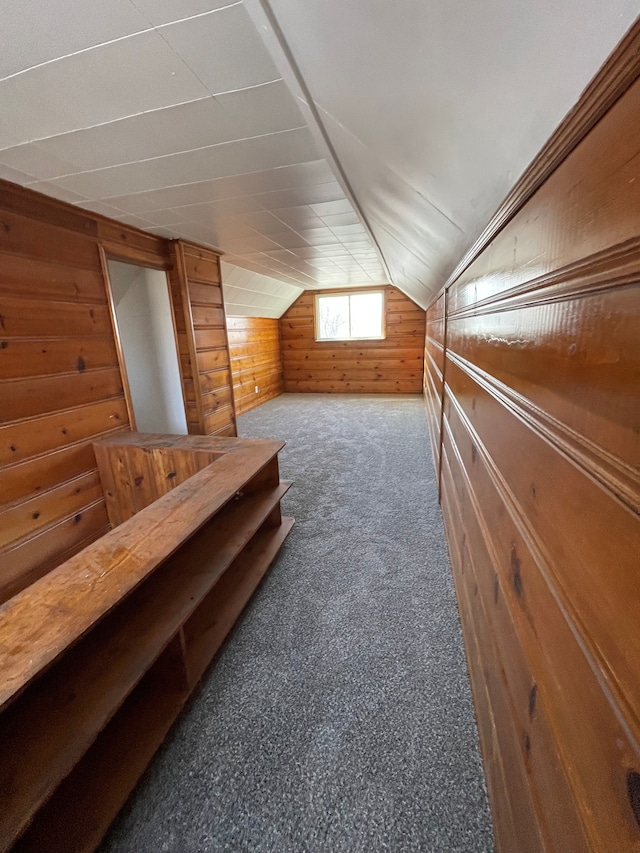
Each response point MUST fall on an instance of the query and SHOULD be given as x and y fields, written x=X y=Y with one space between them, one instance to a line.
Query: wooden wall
x=433 y=371
x=60 y=380
x=254 y=349
x=392 y=365
x=202 y=340
x=540 y=482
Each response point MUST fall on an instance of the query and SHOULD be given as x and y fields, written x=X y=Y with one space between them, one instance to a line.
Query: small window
x=353 y=316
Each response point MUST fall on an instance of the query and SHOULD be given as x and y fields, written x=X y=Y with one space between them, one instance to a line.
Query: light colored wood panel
x=210 y=339
x=20 y=521
x=25 y=562
x=131 y=245
x=322 y=355
x=381 y=363
x=215 y=399
x=44 y=472
x=249 y=401
x=218 y=419
x=47 y=210
x=34 y=278
x=413 y=318
x=244 y=336
x=259 y=357
x=185 y=339
x=267 y=345
x=208 y=315
x=351 y=373
x=205 y=295
x=201 y=265
x=135 y=476
x=19 y=441
x=348 y=387
x=20 y=358
x=214 y=359
x=30 y=238
x=214 y=380
x=29 y=318
x=400 y=342
x=24 y=398
x=394 y=364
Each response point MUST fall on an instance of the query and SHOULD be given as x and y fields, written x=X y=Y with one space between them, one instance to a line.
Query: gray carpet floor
x=338 y=716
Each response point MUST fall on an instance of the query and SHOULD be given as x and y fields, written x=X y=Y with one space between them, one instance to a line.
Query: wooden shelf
x=62 y=723
x=206 y=629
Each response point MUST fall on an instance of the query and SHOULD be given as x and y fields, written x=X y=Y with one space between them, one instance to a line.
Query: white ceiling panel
x=329 y=191
x=102 y=208
x=109 y=82
x=196 y=124
x=231 y=190
x=219 y=210
x=299 y=217
x=446 y=105
x=210 y=45
x=35 y=159
x=37 y=32
x=158 y=12
x=225 y=160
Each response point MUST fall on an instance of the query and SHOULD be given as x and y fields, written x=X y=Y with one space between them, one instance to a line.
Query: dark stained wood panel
x=256 y=361
x=392 y=365
x=539 y=446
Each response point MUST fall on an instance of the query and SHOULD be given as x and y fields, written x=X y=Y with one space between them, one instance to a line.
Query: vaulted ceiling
x=317 y=144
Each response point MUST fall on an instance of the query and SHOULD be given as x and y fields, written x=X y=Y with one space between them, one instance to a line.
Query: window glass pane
x=333 y=317
x=366 y=315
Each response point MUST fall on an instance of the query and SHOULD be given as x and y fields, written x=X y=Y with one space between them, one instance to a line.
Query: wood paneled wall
x=60 y=380
x=393 y=365
x=540 y=445
x=433 y=371
x=256 y=361
x=202 y=340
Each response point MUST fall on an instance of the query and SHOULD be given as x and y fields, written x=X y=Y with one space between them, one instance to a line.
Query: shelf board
x=210 y=623
x=46 y=731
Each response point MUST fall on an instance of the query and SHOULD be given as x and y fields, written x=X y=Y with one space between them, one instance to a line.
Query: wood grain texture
x=539 y=447
x=89 y=693
x=392 y=365
x=60 y=384
x=198 y=305
x=254 y=350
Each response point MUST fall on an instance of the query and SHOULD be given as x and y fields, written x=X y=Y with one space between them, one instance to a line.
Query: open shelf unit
x=78 y=728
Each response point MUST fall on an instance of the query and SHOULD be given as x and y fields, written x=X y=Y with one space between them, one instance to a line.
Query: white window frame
x=349 y=293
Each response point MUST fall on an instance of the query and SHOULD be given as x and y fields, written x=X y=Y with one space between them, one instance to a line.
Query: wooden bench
x=98 y=657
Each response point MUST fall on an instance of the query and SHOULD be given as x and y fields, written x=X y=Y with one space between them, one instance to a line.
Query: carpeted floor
x=338 y=718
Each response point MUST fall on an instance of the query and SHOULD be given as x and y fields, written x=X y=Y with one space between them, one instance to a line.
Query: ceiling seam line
x=141 y=113
x=311 y=106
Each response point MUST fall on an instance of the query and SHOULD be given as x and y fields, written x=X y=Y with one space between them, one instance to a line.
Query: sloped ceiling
x=317 y=144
